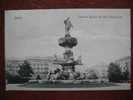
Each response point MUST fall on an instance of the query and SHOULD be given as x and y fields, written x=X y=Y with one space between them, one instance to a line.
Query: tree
x=13 y=79
x=25 y=70
x=114 y=73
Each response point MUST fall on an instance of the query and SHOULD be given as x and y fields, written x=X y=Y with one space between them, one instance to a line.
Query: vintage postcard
x=68 y=49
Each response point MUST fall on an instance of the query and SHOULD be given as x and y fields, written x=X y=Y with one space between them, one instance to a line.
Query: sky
x=103 y=34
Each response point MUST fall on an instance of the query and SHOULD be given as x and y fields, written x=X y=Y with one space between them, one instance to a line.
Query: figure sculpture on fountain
x=68 y=25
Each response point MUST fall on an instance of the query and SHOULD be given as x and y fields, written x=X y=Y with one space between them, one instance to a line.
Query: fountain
x=68 y=42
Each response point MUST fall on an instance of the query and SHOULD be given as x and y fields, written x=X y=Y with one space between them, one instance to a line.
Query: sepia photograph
x=68 y=49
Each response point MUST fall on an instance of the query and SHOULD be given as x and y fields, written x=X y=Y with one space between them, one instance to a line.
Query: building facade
x=13 y=66
x=40 y=66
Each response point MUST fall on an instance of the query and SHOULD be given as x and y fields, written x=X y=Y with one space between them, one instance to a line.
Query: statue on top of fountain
x=68 y=25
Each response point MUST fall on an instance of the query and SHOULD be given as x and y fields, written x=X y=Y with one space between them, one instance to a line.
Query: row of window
x=40 y=71
x=39 y=64
x=40 y=68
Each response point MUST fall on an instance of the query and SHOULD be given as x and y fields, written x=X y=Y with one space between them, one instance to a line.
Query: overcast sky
x=103 y=35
